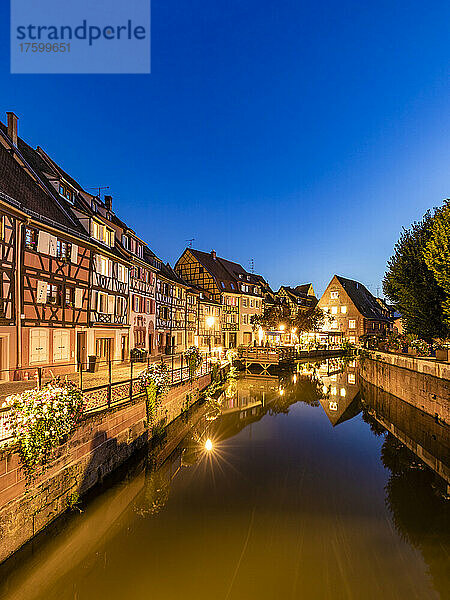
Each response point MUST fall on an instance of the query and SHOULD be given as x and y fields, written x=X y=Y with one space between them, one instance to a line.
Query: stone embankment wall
x=422 y=383
x=100 y=444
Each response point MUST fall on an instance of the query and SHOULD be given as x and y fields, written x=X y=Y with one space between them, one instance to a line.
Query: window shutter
x=74 y=253
x=78 y=298
x=43 y=242
x=52 y=245
x=41 y=292
x=111 y=301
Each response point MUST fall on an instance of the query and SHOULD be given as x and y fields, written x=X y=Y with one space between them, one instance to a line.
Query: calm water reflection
x=317 y=486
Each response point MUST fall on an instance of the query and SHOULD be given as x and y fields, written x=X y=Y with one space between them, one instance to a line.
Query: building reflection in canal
x=413 y=448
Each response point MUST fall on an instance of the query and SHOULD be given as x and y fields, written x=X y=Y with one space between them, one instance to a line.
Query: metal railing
x=105 y=384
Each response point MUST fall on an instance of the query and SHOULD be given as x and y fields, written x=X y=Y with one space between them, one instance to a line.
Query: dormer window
x=126 y=242
x=102 y=233
x=66 y=192
x=334 y=295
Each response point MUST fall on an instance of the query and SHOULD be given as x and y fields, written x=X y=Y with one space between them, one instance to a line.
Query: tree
x=311 y=319
x=411 y=285
x=272 y=317
x=437 y=254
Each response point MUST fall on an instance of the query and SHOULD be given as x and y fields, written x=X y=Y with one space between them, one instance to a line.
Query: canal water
x=309 y=485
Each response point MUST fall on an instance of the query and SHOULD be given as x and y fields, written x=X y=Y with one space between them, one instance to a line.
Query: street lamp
x=210 y=324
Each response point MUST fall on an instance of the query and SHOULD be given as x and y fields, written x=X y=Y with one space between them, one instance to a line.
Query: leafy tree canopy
x=311 y=319
x=437 y=254
x=411 y=285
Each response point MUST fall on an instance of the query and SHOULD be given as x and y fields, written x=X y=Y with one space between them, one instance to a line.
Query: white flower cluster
x=158 y=374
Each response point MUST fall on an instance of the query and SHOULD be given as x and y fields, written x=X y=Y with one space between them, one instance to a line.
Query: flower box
x=412 y=351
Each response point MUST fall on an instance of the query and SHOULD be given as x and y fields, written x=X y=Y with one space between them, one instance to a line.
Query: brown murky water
x=307 y=492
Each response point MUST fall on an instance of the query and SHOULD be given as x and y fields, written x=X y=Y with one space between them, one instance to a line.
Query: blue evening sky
x=301 y=134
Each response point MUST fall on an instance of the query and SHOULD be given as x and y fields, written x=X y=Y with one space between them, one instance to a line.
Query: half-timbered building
x=106 y=334
x=9 y=231
x=52 y=260
x=228 y=283
x=209 y=330
x=298 y=299
x=164 y=300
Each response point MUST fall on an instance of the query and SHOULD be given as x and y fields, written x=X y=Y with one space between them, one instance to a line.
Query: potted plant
x=42 y=419
x=194 y=359
x=138 y=355
x=419 y=348
x=155 y=381
x=442 y=351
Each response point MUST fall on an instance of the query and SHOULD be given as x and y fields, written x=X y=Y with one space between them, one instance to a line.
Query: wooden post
x=131 y=379
x=110 y=381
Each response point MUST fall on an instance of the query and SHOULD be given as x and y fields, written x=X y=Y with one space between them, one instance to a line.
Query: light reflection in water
x=269 y=495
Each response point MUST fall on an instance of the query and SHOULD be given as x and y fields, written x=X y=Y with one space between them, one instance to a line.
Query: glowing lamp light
x=260 y=335
x=208 y=445
x=282 y=327
x=281 y=392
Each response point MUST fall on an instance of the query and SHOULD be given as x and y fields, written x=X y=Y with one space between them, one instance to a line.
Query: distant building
x=298 y=299
x=354 y=311
x=239 y=292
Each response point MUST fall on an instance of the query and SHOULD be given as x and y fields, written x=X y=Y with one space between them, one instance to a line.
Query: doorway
x=3 y=359
x=124 y=348
x=103 y=349
x=150 y=343
x=81 y=348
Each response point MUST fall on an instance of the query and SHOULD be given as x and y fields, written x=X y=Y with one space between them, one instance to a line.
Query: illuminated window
x=325 y=308
x=101 y=233
x=53 y=294
x=333 y=390
x=343 y=392
x=352 y=339
x=102 y=302
x=334 y=310
x=63 y=249
x=104 y=266
x=352 y=324
x=351 y=378
x=31 y=239
x=121 y=273
x=69 y=298
x=343 y=309
x=334 y=295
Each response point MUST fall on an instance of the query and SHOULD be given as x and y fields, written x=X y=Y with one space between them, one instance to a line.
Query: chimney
x=12 y=127
x=213 y=254
x=108 y=202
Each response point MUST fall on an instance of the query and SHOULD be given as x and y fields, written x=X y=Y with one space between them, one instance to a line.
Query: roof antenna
x=190 y=242
x=252 y=265
x=99 y=188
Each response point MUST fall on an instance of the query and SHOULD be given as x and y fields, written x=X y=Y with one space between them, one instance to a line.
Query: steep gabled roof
x=167 y=272
x=19 y=185
x=215 y=267
x=364 y=301
x=46 y=170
